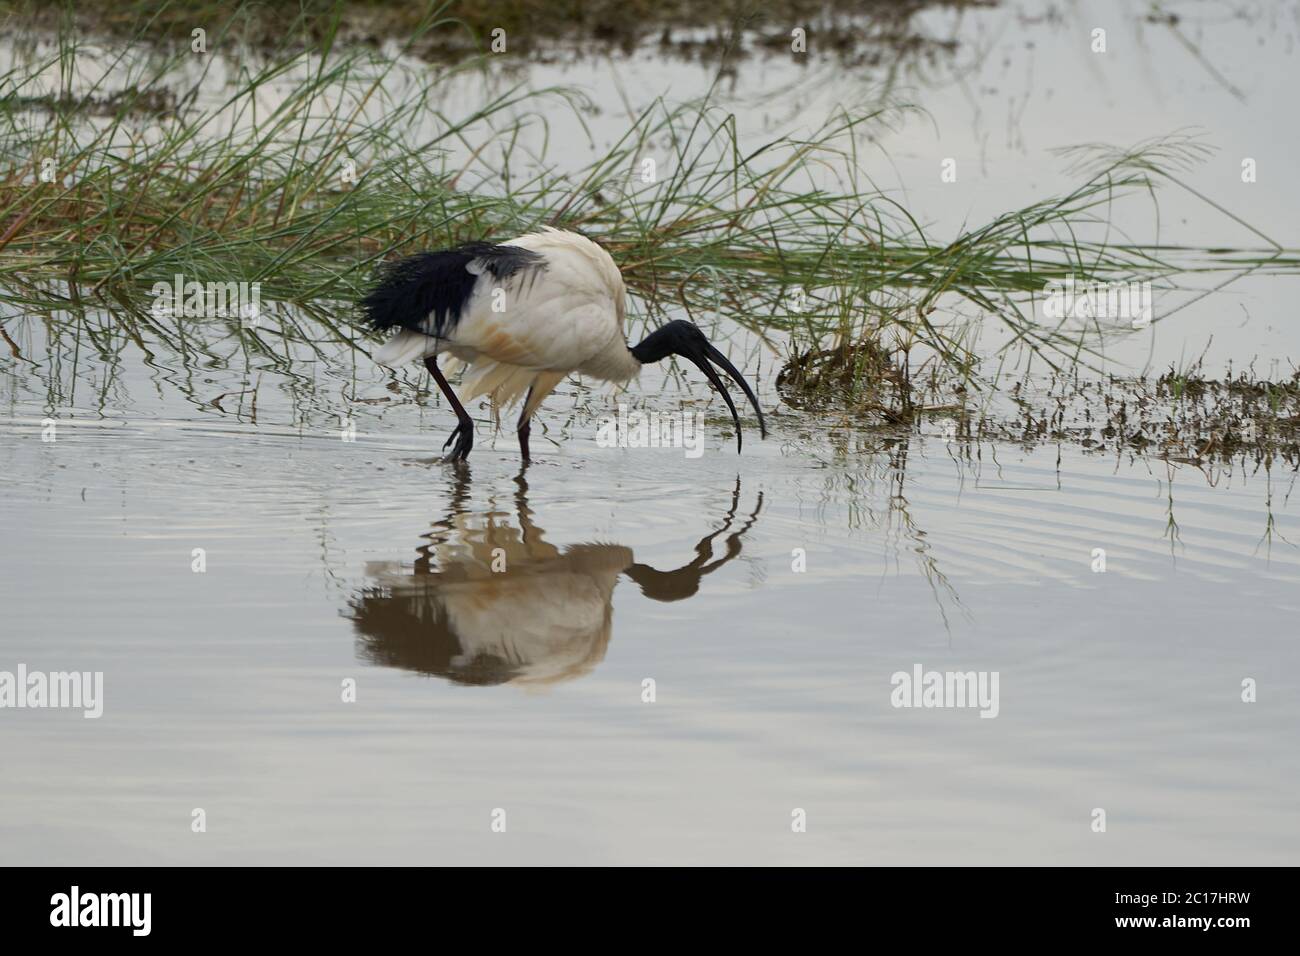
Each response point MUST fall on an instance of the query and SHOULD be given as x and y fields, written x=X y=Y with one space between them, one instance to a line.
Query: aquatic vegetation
x=853 y=32
x=309 y=170
x=1180 y=416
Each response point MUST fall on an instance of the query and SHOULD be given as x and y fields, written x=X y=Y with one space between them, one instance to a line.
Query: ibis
x=520 y=316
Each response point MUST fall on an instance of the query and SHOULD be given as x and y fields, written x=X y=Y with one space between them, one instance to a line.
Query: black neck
x=663 y=342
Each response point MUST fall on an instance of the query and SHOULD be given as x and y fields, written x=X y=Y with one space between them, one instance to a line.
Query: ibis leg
x=463 y=436
x=525 y=428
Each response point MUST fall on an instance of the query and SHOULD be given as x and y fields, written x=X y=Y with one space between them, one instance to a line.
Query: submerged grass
x=854 y=31
x=124 y=170
x=1181 y=416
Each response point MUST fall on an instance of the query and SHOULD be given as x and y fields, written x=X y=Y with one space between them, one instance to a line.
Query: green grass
x=791 y=239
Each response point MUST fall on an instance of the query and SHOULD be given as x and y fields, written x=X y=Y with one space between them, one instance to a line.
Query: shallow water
x=329 y=560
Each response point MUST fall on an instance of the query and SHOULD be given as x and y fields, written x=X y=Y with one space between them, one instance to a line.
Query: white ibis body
x=522 y=315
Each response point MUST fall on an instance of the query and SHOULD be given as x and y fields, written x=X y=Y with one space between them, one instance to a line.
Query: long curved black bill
x=702 y=362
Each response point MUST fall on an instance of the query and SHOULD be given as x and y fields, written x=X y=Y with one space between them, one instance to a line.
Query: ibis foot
x=463 y=436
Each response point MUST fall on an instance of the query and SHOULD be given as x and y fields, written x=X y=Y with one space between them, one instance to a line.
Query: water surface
x=329 y=560
x=770 y=596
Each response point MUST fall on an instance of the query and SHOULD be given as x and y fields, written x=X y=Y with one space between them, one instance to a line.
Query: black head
x=683 y=338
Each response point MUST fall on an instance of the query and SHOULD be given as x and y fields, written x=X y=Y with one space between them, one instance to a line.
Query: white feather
x=536 y=327
x=405 y=346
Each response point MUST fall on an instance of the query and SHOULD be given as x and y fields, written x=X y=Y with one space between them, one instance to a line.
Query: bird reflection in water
x=487 y=602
